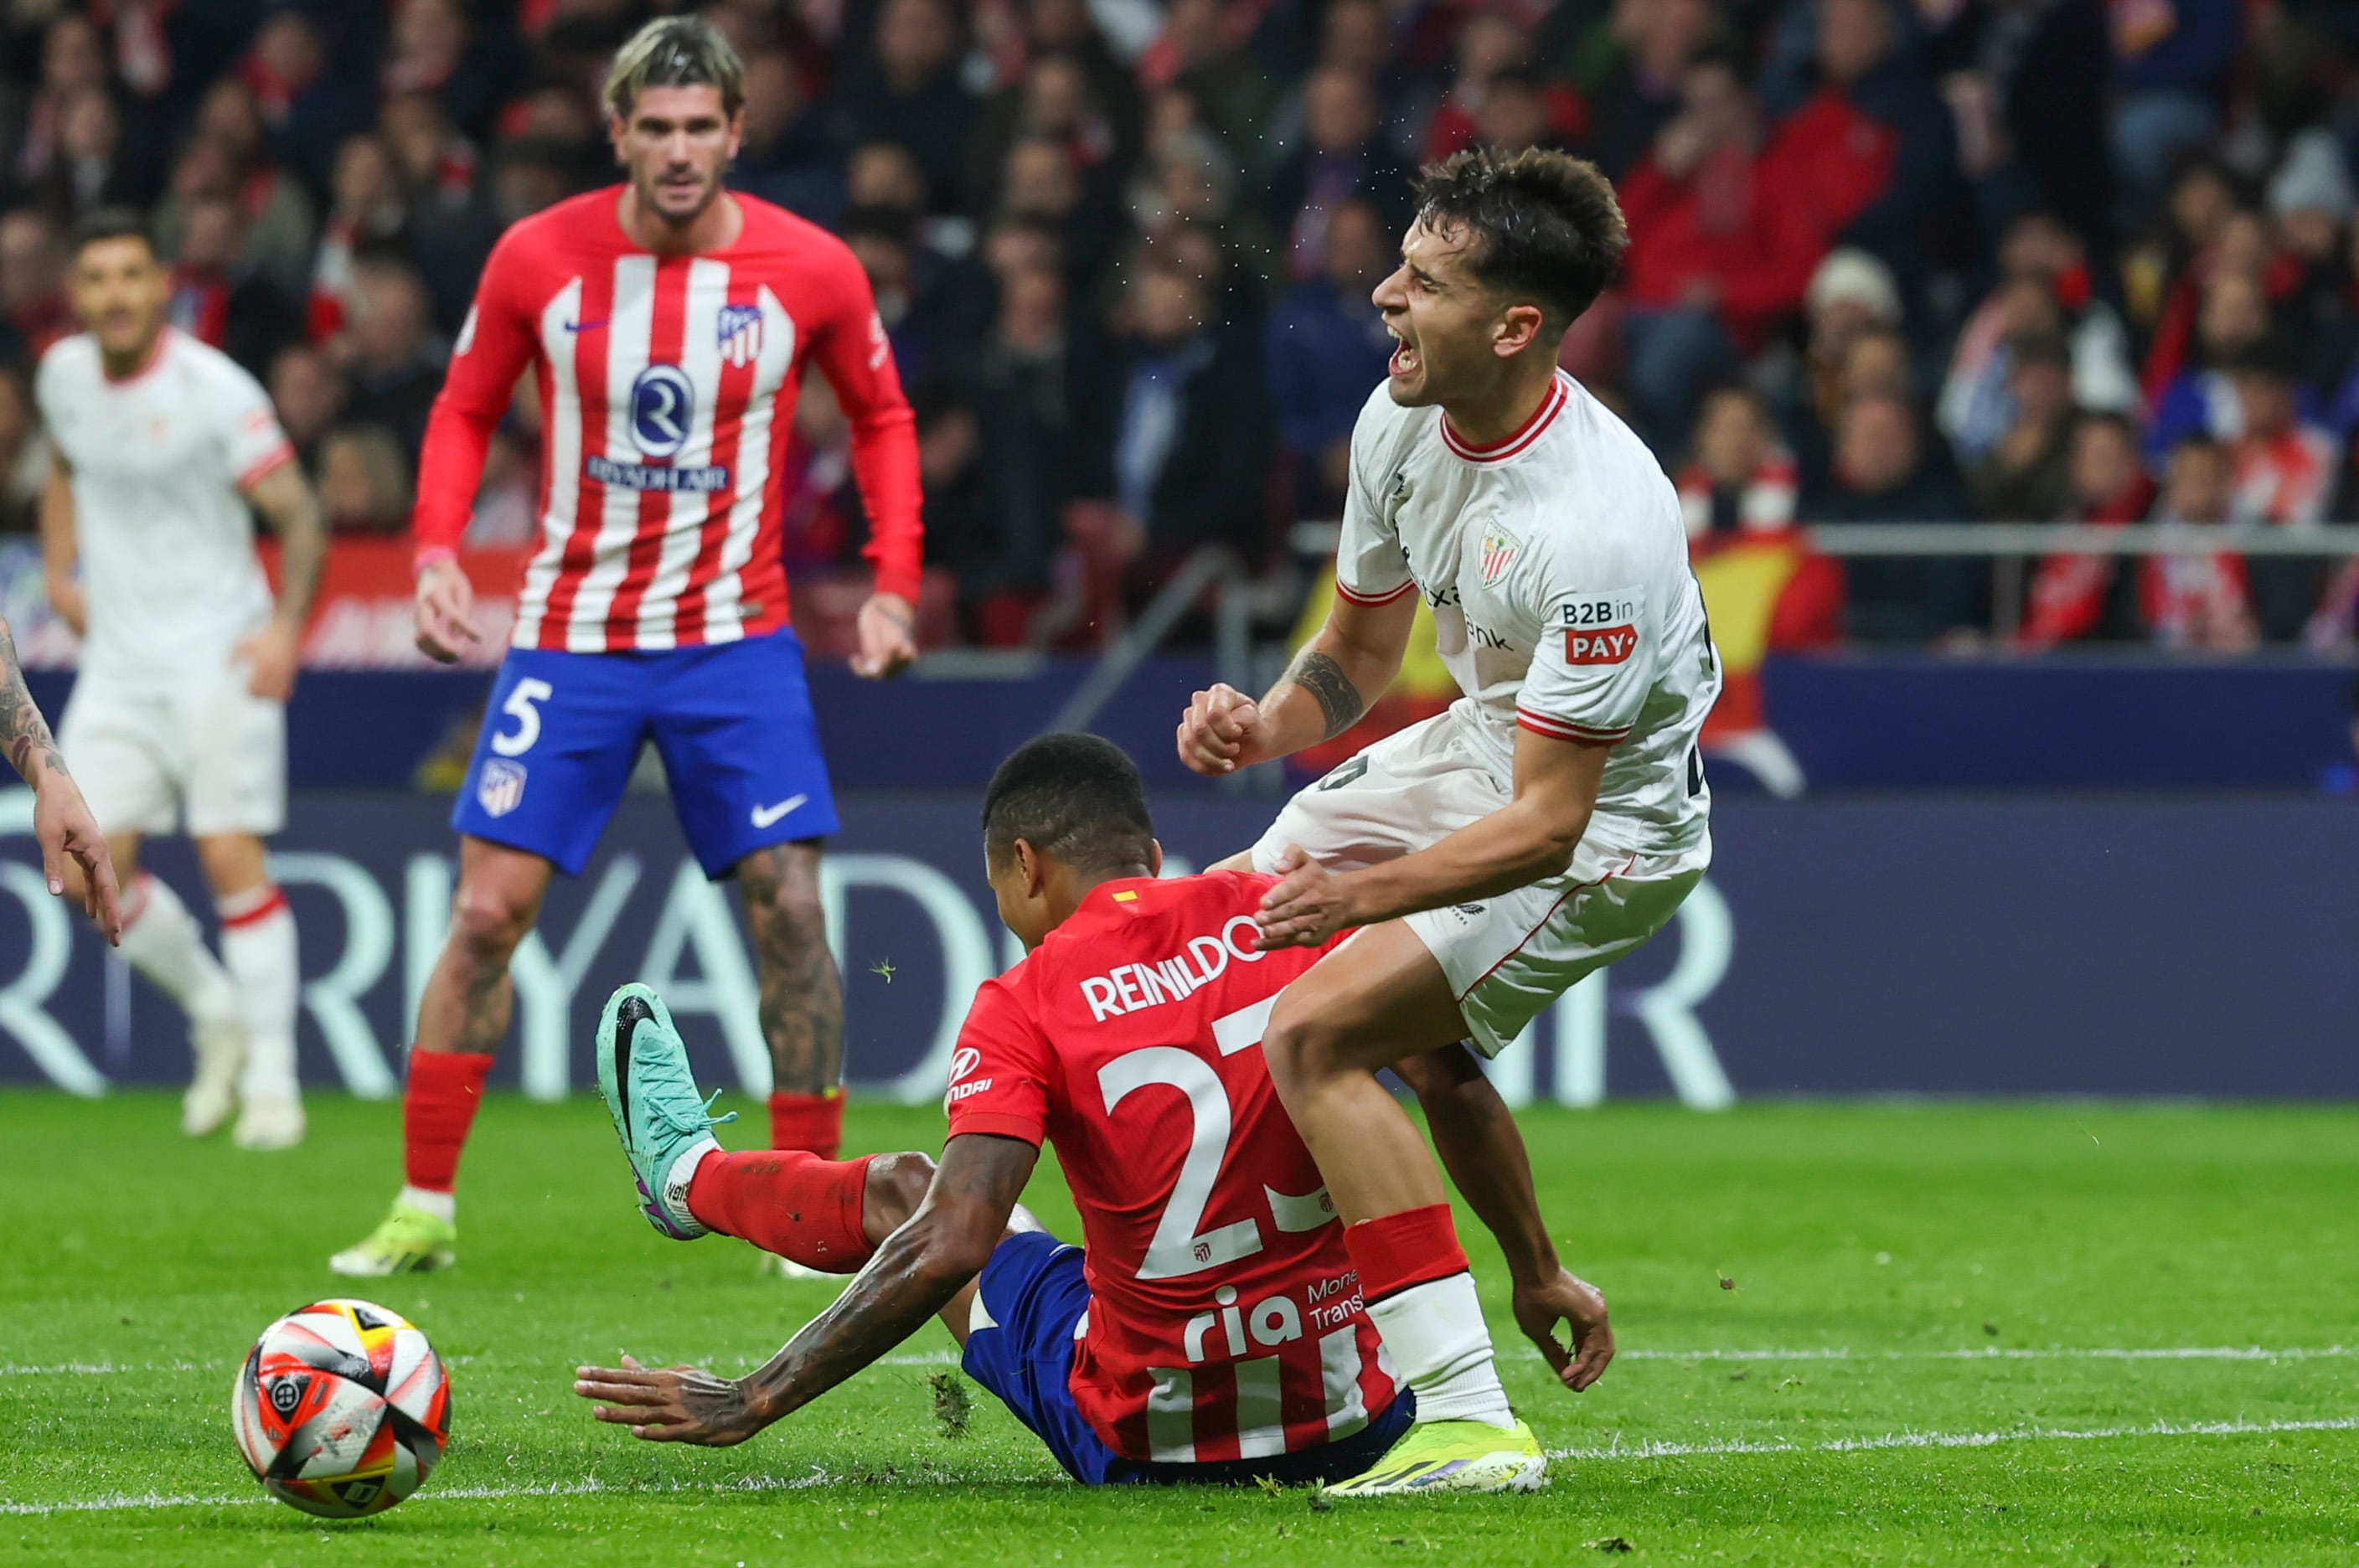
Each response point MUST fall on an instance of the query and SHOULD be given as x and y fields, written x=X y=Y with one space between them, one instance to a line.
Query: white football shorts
x=204 y=756
x=1507 y=957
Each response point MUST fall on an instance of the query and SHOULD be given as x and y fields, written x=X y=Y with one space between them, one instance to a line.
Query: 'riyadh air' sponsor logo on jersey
x=661 y=413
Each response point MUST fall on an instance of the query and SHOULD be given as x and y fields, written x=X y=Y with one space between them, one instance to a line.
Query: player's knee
x=487 y=921
x=896 y=1185
x=1296 y=1047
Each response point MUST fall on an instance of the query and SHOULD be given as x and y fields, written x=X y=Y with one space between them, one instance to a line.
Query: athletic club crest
x=1499 y=551
x=739 y=333
x=500 y=788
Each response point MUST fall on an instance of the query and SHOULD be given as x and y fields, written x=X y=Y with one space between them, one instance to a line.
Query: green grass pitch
x=1849 y=1334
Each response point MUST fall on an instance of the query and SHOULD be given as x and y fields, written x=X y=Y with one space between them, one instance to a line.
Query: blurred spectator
x=436 y=165
x=787 y=156
x=364 y=480
x=227 y=158
x=1875 y=137
x=73 y=60
x=1493 y=59
x=367 y=215
x=2046 y=288
x=1653 y=41
x=2197 y=601
x=2030 y=129
x=1322 y=349
x=1056 y=101
x=33 y=309
x=1342 y=155
x=24 y=460
x=1851 y=295
x=1740 y=480
x=2027 y=471
x=429 y=52
x=1882 y=475
x=1025 y=416
x=906 y=88
x=2170 y=60
x=220 y=296
x=309 y=392
x=86 y=169
x=389 y=351
x=1199 y=51
x=2201 y=398
x=1181 y=433
x=307 y=111
x=2077 y=597
x=2284 y=464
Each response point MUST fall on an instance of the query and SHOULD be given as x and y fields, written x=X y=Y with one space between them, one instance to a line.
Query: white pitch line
x=1956 y=1438
x=1812 y=1353
x=816 y=1477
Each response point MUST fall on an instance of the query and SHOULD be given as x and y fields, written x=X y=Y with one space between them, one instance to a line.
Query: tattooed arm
x=284 y=499
x=61 y=822
x=1322 y=693
x=914 y=1274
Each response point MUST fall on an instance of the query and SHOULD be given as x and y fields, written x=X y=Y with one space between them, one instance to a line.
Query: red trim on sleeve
x=268 y=464
x=1344 y=589
x=1565 y=729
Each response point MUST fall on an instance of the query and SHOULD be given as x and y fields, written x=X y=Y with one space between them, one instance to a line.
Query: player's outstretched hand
x=272 y=656
x=1219 y=732
x=1565 y=1298
x=65 y=830
x=888 y=637
x=672 y=1404
x=445 y=613
x=1308 y=905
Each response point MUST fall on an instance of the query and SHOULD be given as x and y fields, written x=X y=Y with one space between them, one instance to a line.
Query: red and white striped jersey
x=1225 y=1319
x=668 y=388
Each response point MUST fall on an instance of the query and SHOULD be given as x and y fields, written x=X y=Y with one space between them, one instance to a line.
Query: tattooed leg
x=802 y=997
x=469 y=996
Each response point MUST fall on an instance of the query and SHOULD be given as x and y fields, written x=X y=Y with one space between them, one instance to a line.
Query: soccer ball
x=341 y=1409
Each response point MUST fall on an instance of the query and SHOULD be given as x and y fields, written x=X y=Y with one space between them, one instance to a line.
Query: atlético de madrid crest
x=1499 y=551
x=739 y=333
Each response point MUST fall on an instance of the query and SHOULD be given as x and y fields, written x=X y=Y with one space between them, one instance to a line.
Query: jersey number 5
x=1177 y=1248
x=520 y=707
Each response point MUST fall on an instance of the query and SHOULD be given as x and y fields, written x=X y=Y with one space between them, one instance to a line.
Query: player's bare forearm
x=913 y=1276
x=1481 y=1149
x=32 y=750
x=1337 y=675
x=285 y=500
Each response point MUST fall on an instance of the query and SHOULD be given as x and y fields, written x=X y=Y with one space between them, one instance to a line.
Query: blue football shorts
x=732 y=721
x=1033 y=1294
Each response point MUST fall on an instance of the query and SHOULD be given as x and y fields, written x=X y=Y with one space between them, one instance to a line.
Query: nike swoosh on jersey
x=764 y=815
x=583 y=326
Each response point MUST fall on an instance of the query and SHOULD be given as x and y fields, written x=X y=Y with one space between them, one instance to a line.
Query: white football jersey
x=167 y=541
x=1556 y=566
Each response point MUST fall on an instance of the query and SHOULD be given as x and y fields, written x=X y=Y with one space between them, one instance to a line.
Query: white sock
x=1438 y=1339
x=258 y=950
x=163 y=942
x=443 y=1206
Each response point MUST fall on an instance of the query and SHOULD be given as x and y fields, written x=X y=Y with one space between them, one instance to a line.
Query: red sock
x=1393 y=1252
x=437 y=1106
x=790 y=1202
x=813 y=1123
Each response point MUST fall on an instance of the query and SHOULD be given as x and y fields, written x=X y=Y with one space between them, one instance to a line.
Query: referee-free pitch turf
x=2084 y=1333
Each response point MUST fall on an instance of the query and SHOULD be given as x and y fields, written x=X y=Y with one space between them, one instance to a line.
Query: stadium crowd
x=1893 y=261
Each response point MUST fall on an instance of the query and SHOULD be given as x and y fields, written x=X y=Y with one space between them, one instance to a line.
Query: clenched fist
x=1221 y=731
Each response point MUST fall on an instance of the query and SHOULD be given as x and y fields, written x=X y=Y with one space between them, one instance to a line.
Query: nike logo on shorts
x=764 y=815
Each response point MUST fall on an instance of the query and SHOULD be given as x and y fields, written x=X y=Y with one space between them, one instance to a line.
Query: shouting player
x=668 y=323
x=1554 y=818
x=179 y=716
x=1211 y=1330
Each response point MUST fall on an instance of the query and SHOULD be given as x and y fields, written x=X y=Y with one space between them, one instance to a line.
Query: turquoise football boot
x=665 y=1125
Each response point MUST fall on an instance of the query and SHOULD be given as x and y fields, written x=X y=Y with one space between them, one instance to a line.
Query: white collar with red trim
x=1519 y=442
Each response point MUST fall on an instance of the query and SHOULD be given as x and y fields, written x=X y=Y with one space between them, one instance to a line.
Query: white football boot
x=270 y=1121
x=220 y=1045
